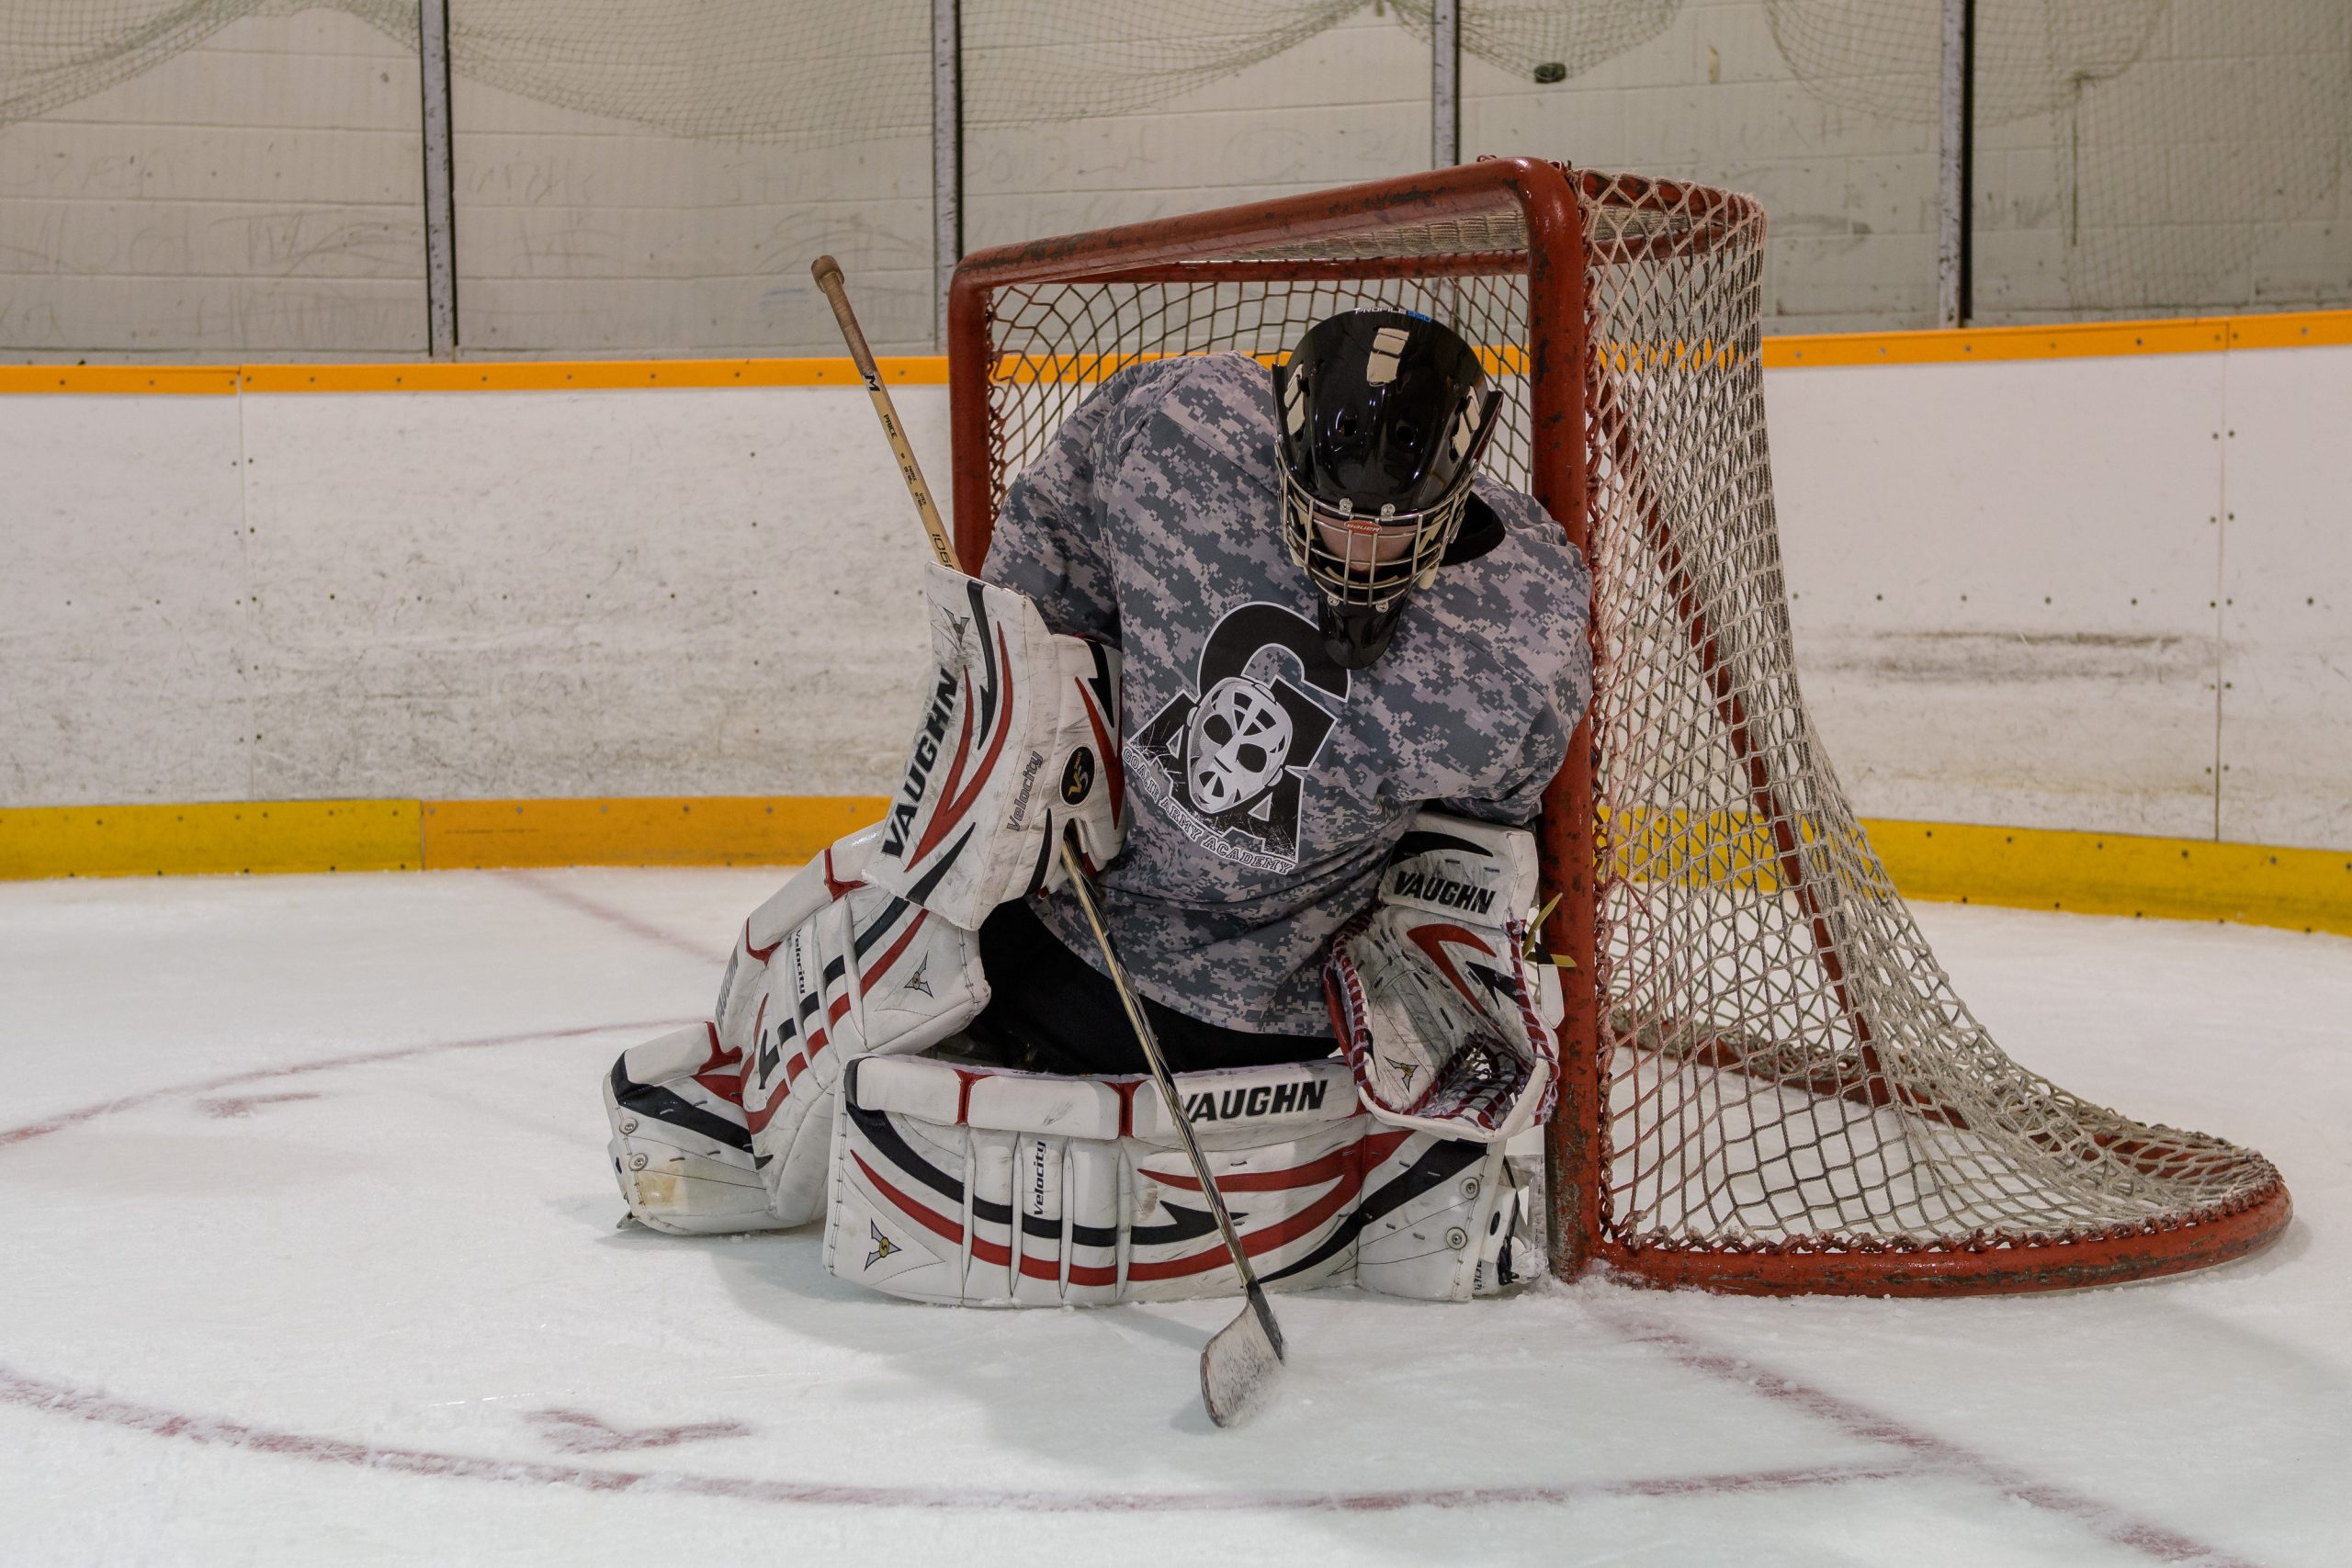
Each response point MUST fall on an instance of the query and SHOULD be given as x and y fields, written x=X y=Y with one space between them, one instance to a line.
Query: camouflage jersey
x=1266 y=785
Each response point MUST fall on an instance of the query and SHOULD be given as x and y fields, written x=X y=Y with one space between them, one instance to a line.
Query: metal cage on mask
x=1339 y=540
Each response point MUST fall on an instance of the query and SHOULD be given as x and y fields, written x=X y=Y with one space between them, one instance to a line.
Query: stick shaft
x=1239 y=1369
x=1241 y=1365
x=1159 y=1066
x=828 y=274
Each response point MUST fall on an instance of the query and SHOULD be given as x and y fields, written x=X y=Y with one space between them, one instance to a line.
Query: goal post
x=1768 y=1084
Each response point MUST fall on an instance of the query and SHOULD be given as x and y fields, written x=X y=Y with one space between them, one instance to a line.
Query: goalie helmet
x=1381 y=417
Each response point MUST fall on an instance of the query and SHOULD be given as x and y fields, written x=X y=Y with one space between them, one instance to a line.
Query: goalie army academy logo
x=1228 y=760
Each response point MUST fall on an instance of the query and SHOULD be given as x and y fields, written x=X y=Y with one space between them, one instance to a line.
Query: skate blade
x=1241 y=1370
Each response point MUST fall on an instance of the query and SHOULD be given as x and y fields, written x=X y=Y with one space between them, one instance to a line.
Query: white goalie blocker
x=1019 y=742
x=991 y=1187
x=871 y=948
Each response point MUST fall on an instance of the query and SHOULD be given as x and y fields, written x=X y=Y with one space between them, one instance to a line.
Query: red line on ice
x=101 y=1408
x=65 y=1119
x=231 y=1106
x=104 y=1409
x=584 y=1432
x=1930 y=1455
x=1939 y=1454
x=629 y=923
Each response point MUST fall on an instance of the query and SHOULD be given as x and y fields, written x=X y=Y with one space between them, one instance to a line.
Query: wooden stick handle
x=828 y=273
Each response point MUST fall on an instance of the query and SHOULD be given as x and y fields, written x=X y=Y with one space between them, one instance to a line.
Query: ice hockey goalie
x=1294 y=673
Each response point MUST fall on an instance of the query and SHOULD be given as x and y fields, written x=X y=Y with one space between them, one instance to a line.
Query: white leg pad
x=1440 y=1213
x=973 y=1186
x=867 y=972
x=680 y=1148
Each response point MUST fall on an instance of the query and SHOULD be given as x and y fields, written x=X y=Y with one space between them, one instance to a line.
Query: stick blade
x=1241 y=1370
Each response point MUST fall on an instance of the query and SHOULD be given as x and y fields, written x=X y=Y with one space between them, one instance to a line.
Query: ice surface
x=311 y=1256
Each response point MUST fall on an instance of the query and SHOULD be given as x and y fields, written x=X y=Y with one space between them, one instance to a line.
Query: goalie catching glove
x=1431 y=994
x=871 y=948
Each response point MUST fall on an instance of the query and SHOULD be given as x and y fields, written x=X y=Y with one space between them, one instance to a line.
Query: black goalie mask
x=1382 y=415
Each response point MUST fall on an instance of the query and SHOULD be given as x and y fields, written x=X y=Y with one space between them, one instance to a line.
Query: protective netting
x=814 y=72
x=1784 y=1067
x=2185 y=140
x=51 y=55
x=2247 y=105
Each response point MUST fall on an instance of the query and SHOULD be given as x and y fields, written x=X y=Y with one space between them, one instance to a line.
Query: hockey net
x=1771 y=1083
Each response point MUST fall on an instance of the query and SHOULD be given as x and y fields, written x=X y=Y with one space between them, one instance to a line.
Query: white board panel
x=555 y=594
x=257 y=192
x=583 y=234
x=1350 y=102
x=122 y=601
x=2011 y=594
x=2002 y=579
x=2287 y=600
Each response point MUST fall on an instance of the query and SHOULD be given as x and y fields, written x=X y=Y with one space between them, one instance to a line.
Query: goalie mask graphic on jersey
x=1228 y=760
x=1239 y=738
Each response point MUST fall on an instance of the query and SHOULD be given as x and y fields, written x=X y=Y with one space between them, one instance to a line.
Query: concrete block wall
x=2208 y=176
x=1852 y=195
x=259 y=194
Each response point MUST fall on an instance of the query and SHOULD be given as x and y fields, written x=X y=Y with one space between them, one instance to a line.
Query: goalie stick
x=1241 y=1365
x=828 y=274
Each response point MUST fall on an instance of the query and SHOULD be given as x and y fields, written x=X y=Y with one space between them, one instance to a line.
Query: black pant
x=1054 y=1012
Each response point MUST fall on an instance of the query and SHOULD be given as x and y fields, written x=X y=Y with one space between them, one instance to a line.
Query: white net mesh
x=1784 y=1067
x=1787 y=1062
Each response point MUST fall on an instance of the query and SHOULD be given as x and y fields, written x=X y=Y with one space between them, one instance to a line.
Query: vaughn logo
x=1228 y=760
x=901 y=825
x=1442 y=891
x=1259 y=1099
x=920 y=981
x=1442 y=871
